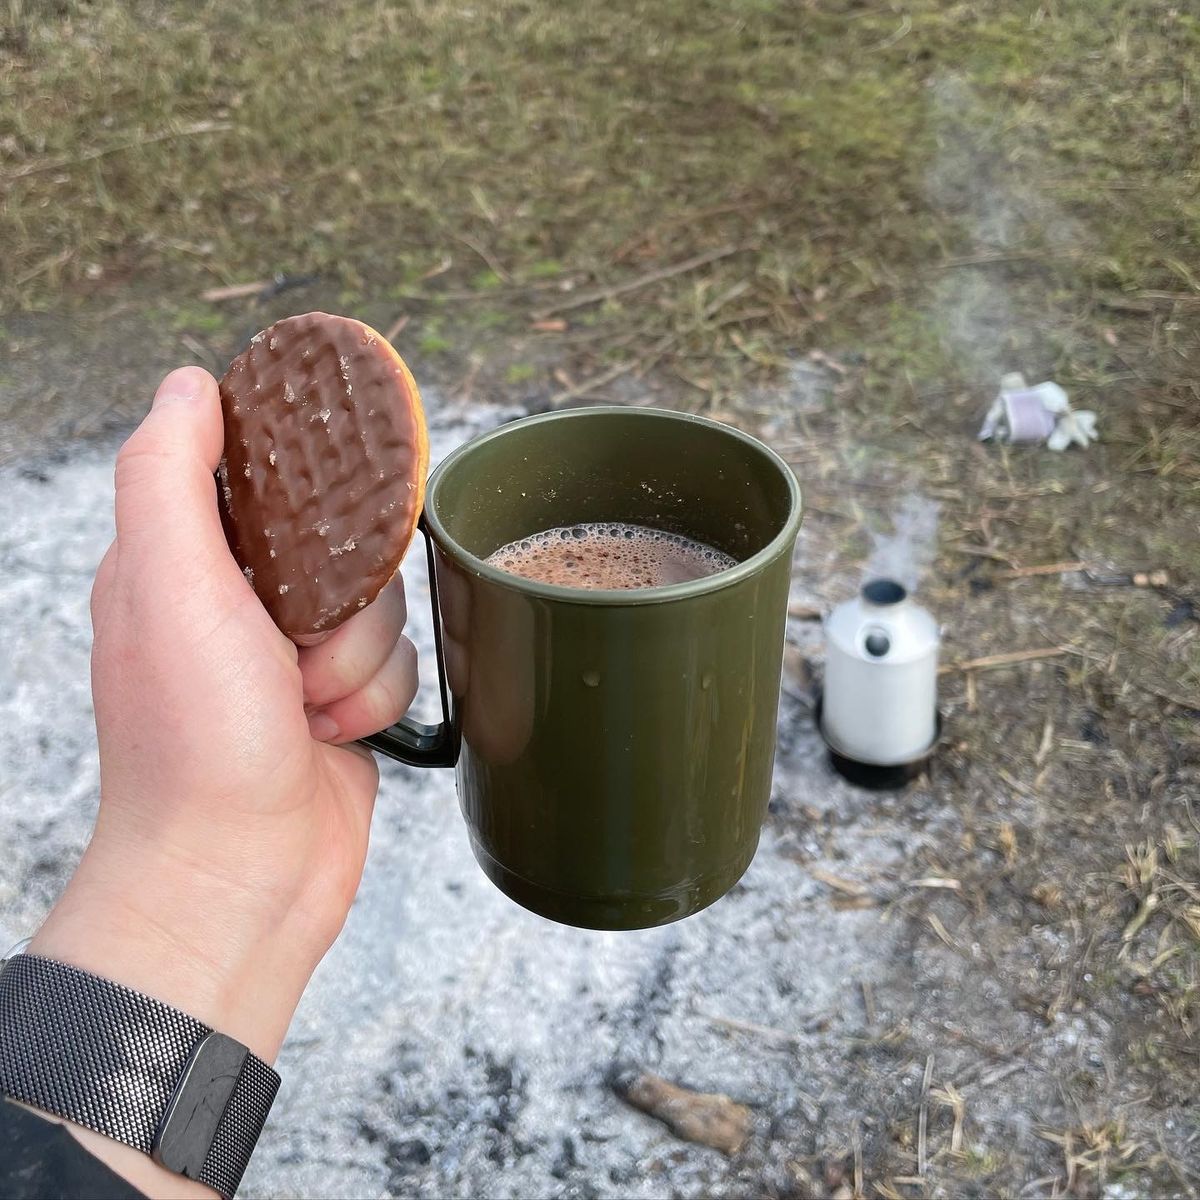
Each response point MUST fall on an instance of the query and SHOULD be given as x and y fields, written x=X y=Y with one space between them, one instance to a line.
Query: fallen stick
x=235 y=291
x=264 y=289
x=596 y=381
x=1008 y=659
x=643 y=361
x=57 y=164
x=1057 y=568
x=847 y=886
x=632 y=285
x=646 y=360
x=396 y=326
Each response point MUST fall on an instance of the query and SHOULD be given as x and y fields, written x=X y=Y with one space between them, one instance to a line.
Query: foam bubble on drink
x=609 y=555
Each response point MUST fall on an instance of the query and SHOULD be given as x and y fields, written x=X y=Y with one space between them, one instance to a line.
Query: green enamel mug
x=613 y=749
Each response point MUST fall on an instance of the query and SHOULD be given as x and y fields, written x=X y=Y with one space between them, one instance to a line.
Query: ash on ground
x=453 y=1044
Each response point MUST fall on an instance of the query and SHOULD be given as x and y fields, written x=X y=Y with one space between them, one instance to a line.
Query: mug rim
x=612 y=597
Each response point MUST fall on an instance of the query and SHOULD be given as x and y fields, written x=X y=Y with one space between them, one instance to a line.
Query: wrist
x=218 y=950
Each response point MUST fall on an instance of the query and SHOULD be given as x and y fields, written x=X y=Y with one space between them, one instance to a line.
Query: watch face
x=19 y=948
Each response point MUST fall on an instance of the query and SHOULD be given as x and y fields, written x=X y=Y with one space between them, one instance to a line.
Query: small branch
x=235 y=291
x=56 y=164
x=1057 y=568
x=262 y=289
x=641 y=281
x=766 y=1032
x=396 y=327
x=848 y=886
x=596 y=381
x=990 y=661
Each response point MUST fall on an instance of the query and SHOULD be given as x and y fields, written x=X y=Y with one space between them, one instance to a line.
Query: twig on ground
x=397 y=326
x=868 y=995
x=648 y=358
x=263 y=289
x=641 y=281
x=923 y=1120
x=764 y=1031
x=984 y=552
x=596 y=381
x=235 y=291
x=1007 y=659
x=848 y=886
x=1057 y=568
x=55 y=164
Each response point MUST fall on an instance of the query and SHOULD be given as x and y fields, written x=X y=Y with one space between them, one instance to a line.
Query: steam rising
x=906 y=553
x=975 y=178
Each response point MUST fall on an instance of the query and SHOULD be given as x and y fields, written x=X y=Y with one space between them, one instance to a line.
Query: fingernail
x=322 y=727
x=181 y=385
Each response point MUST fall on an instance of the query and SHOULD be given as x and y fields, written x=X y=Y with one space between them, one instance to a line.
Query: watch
x=131 y=1067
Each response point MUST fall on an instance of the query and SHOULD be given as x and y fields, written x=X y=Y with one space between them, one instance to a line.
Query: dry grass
x=718 y=203
x=880 y=169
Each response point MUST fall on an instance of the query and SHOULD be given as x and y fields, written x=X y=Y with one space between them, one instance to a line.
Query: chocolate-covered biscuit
x=324 y=470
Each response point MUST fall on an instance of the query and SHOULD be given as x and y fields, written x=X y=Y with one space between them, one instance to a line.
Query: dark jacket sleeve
x=40 y=1159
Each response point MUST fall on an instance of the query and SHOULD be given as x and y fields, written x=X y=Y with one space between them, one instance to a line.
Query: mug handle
x=409 y=741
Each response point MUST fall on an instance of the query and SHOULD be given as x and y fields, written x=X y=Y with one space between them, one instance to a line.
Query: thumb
x=167 y=518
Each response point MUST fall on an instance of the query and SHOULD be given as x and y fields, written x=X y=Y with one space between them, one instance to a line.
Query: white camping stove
x=878 y=712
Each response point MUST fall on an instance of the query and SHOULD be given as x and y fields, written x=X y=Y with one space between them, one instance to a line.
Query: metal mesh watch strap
x=132 y=1068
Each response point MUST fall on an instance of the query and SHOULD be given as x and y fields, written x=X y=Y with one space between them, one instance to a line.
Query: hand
x=234 y=815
